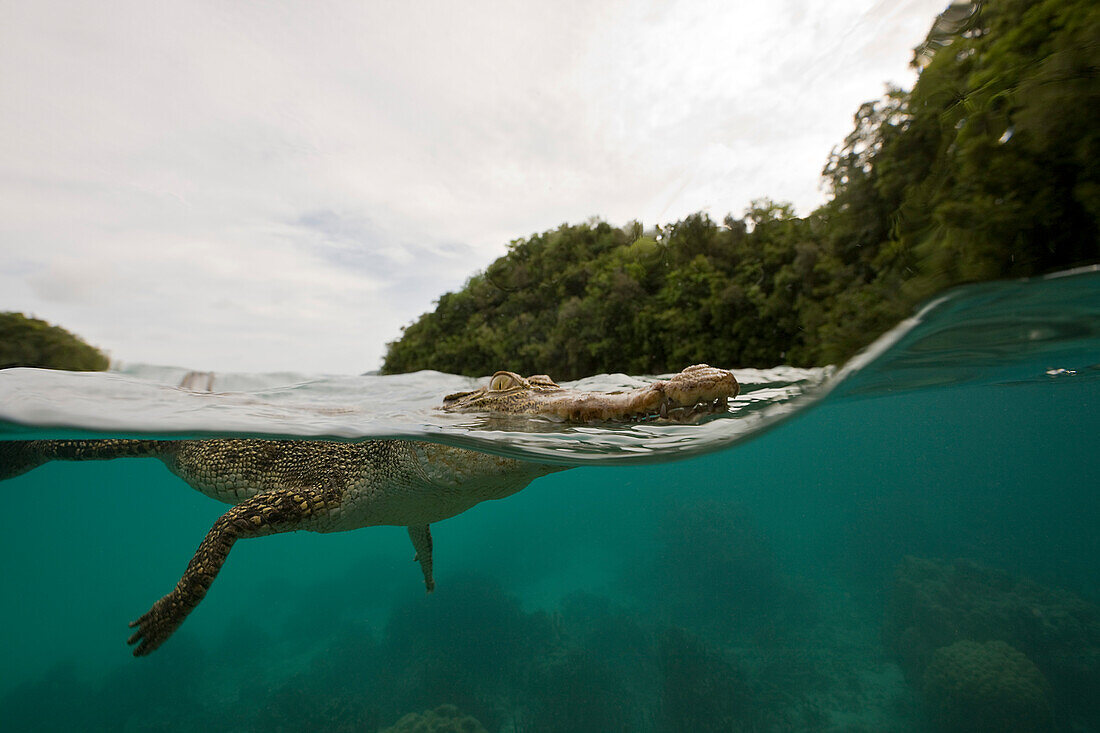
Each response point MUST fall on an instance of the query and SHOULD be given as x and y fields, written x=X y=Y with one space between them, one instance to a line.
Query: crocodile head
x=697 y=390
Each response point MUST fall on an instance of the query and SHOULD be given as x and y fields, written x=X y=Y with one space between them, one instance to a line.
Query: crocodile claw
x=157 y=624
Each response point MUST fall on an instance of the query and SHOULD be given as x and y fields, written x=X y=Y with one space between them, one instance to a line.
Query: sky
x=281 y=186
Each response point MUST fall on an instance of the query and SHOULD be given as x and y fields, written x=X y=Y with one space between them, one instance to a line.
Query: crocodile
x=325 y=486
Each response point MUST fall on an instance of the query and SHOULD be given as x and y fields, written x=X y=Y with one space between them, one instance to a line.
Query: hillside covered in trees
x=988 y=168
x=30 y=342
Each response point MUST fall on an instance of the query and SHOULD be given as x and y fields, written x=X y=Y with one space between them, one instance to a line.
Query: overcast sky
x=282 y=186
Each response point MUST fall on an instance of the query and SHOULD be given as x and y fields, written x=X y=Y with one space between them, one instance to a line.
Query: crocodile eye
x=501 y=382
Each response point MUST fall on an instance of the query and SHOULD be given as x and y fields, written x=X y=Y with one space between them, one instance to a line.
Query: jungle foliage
x=30 y=342
x=988 y=168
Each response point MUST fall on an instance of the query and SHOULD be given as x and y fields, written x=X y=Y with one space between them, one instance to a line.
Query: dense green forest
x=29 y=342
x=987 y=168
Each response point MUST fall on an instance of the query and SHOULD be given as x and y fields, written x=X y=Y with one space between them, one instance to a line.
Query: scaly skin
x=287 y=485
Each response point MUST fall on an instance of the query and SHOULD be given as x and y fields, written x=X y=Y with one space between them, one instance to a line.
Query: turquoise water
x=748 y=574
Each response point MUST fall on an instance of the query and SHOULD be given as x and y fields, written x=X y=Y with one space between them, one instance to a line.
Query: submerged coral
x=986 y=686
x=444 y=719
x=934 y=604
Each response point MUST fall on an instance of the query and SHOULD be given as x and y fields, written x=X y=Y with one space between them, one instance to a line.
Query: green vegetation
x=988 y=168
x=29 y=342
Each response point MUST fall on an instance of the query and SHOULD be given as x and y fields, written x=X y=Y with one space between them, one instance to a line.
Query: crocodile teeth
x=664 y=408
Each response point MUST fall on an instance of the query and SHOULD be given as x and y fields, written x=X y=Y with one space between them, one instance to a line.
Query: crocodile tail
x=20 y=456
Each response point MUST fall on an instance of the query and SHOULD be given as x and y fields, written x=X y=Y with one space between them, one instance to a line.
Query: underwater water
x=908 y=543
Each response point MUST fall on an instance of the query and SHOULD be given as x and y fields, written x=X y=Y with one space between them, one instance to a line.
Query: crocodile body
x=286 y=485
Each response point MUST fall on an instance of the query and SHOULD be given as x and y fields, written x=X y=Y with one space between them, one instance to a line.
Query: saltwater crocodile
x=287 y=485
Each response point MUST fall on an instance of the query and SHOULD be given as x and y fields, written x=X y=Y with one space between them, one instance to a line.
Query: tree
x=30 y=342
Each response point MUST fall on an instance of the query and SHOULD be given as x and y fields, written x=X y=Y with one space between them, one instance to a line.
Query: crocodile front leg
x=282 y=510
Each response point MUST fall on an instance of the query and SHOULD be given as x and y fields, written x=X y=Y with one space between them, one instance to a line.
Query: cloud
x=283 y=185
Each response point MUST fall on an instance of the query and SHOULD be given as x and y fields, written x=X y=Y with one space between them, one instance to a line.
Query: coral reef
x=934 y=604
x=444 y=719
x=986 y=686
x=592 y=664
